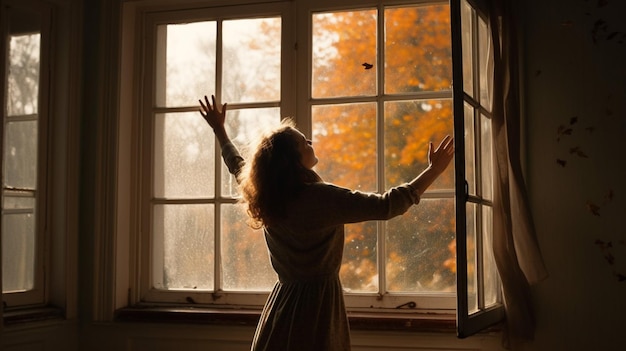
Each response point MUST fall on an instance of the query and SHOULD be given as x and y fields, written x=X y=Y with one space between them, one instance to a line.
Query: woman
x=303 y=221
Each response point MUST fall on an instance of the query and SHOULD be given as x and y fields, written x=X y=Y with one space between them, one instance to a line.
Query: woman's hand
x=211 y=113
x=214 y=117
x=439 y=158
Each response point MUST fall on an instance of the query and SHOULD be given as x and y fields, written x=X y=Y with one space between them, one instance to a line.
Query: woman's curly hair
x=274 y=176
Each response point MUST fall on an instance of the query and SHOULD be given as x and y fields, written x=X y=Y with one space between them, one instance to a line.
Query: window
x=24 y=145
x=373 y=86
x=380 y=91
x=200 y=240
x=478 y=299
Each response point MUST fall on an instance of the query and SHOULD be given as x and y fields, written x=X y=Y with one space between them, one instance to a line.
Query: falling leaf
x=620 y=277
x=612 y=35
x=537 y=73
x=560 y=162
x=593 y=209
x=573 y=120
x=367 y=65
x=577 y=151
x=609 y=195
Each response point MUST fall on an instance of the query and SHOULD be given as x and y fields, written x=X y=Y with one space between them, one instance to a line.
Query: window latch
x=410 y=304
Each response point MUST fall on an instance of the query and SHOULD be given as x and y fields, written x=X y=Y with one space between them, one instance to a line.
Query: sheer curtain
x=515 y=246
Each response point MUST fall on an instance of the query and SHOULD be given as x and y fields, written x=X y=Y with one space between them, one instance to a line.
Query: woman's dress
x=305 y=310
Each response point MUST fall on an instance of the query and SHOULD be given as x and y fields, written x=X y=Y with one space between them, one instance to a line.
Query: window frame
x=299 y=105
x=148 y=107
x=426 y=303
x=470 y=322
x=38 y=295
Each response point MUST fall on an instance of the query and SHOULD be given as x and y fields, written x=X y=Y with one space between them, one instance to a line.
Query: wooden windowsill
x=358 y=320
x=20 y=316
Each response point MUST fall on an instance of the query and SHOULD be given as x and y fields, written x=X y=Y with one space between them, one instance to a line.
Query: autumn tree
x=417 y=58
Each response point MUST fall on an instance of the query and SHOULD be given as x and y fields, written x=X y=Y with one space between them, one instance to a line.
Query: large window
x=23 y=136
x=372 y=86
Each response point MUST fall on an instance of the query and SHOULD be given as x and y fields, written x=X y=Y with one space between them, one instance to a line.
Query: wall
x=572 y=83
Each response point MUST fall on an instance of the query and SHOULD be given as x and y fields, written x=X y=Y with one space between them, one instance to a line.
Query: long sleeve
x=232 y=159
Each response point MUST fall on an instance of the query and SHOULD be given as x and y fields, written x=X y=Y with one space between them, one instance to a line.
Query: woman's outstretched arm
x=216 y=119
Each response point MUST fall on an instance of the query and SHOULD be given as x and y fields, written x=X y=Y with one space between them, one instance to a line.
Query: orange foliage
x=417 y=59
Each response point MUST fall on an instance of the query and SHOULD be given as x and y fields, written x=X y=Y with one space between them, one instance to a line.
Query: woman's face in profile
x=307 y=153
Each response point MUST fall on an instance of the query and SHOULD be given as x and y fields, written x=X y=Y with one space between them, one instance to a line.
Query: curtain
x=515 y=246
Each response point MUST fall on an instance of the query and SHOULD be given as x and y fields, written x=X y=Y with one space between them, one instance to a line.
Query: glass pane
x=472 y=267
x=18 y=252
x=185 y=59
x=20 y=154
x=344 y=138
x=23 y=75
x=245 y=259
x=418 y=54
x=344 y=47
x=485 y=64
x=359 y=268
x=243 y=127
x=184 y=156
x=490 y=271
x=251 y=60
x=421 y=248
x=470 y=148
x=486 y=151
x=409 y=127
x=467 y=47
x=183 y=247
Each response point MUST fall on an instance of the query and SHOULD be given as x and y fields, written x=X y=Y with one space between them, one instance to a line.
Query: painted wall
x=576 y=113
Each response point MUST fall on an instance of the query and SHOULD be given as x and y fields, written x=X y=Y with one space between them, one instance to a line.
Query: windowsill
x=13 y=317
x=445 y=323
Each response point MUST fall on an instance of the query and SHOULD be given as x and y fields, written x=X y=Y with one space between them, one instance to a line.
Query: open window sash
x=479 y=302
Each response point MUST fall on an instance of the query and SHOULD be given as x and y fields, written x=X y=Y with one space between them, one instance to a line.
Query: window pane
x=18 y=252
x=472 y=267
x=359 y=268
x=490 y=271
x=20 y=154
x=23 y=75
x=183 y=246
x=185 y=63
x=485 y=66
x=487 y=157
x=245 y=259
x=409 y=127
x=251 y=60
x=345 y=143
x=467 y=47
x=244 y=126
x=418 y=54
x=342 y=43
x=421 y=248
x=17 y=202
x=184 y=156
x=470 y=148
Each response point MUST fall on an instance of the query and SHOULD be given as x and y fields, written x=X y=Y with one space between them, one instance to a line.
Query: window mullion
x=380 y=146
